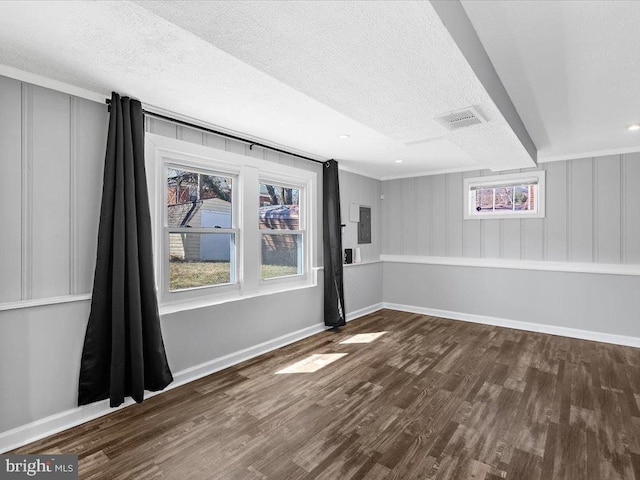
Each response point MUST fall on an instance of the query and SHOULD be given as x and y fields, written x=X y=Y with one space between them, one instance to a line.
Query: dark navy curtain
x=334 y=312
x=123 y=350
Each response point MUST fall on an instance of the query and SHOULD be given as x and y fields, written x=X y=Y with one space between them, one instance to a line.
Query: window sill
x=210 y=301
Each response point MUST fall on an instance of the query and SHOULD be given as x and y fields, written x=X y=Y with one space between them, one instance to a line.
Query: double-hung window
x=199 y=228
x=227 y=226
x=281 y=230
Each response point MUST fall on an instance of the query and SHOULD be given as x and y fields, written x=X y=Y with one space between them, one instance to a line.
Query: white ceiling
x=571 y=68
x=298 y=74
x=293 y=74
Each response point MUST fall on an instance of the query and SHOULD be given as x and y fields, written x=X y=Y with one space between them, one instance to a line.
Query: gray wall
x=591 y=217
x=591 y=207
x=584 y=301
x=49 y=223
x=366 y=192
x=52 y=153
x=362 y=282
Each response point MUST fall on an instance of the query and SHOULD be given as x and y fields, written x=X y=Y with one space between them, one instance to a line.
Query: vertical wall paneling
x=438 y=215
x=471 y=230
x=607 y=214
x=73 y=196
x=533 y=239
x=408 y=217
x=422 y=215
x=532 y=236
x=594 y=210
x=557 y=201
x=50 y=219
x=235 y=147
x=385 y=218
x=189 y=135
x=455 y=214
x=623 y=208
x=569 y=217
x=510 y=238
x=11 y=191
x=394 y=219
x=363 y=191
x=90 y=132
x=160 y=127
x=272 y=156
x=287 y=160
x=632 y=207
x=214 y=141
x=490 y=238
x=255 y=152
x=27 y=191
x=581 y=211
x=591 y=216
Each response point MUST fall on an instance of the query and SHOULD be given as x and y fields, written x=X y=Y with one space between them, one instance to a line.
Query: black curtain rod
x=222 y=134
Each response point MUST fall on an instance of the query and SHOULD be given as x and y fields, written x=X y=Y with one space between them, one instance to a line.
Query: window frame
x=512 y=179
x=167 y=230
x=287 y=181
x=247 y=173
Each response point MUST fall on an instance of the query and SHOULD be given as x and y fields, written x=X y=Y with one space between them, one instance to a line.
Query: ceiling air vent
x=458 y=119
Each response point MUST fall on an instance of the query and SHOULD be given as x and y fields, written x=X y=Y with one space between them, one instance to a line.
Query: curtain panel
x=334 y=311
x=123 y=350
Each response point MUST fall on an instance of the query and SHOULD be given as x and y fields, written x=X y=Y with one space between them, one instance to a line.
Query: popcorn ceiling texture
x=295 y=74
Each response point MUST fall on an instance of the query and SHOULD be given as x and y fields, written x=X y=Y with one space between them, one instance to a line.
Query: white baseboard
x=518 y=325
x=364 y=311
x=58 y=422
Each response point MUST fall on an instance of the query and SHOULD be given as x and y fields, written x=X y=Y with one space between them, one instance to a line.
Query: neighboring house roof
x=182 y=214
x=286 y=217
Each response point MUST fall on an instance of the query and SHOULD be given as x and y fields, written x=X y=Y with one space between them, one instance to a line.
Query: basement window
x=519 y=195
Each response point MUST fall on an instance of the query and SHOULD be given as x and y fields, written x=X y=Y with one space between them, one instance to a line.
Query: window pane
x=198 y=200
x=484 y=199
x=279 y=207
x=201 y=259
x=504 y=198
x=521 y=198
x=281 y=255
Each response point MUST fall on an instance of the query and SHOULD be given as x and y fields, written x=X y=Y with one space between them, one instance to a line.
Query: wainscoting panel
x=11 y=191
x=591 y=216
x=52 y=146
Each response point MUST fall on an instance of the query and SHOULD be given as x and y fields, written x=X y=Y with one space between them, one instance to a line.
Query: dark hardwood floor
x=431 y=399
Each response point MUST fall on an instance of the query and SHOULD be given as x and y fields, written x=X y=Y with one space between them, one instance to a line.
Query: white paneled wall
x=592 y=216
x=52 y=155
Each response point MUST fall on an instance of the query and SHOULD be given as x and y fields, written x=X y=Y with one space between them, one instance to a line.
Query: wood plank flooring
x=431 y=399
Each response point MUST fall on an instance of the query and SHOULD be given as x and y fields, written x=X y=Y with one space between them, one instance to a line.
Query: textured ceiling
x=571 y=68
x=294 y=74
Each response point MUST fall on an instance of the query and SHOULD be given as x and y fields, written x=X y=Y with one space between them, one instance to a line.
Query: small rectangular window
x=505 y=196
x=199 y=228
x=281 y=231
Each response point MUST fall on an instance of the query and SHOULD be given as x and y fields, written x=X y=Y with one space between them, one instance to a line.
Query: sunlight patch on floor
x=363 y=337
x=313 y=363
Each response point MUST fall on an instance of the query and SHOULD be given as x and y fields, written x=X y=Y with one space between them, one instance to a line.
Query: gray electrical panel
x=364 y=226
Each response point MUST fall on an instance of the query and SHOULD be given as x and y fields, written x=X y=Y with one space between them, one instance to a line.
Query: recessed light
x=398 y=161
x=343 y=136
x=635 y=126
